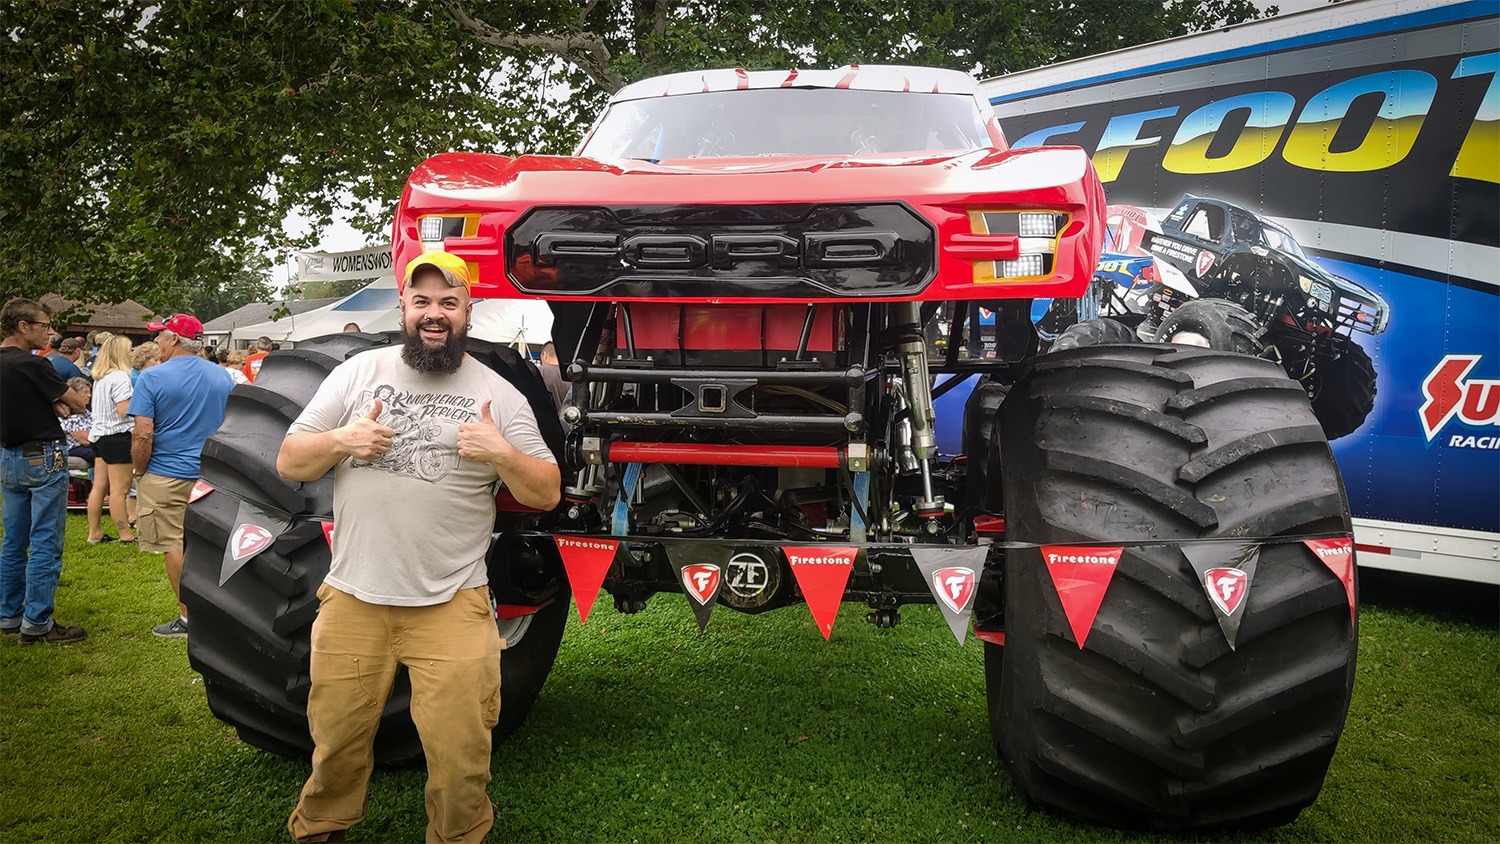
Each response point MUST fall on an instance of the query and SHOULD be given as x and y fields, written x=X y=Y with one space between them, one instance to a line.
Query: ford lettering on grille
x=808 y=251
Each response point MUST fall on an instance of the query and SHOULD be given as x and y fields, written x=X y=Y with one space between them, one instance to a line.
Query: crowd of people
x=136 y=414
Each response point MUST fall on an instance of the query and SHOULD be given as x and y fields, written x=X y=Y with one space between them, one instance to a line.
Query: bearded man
x=419 y=438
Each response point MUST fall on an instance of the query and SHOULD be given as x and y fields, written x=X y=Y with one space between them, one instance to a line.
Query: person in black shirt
x=33 y=475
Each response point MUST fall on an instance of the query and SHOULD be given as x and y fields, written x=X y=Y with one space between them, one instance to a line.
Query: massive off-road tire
x=1342 y=389
x=1093 y=332
x=1156 y=722
x=250 y=637
x=1224 y=325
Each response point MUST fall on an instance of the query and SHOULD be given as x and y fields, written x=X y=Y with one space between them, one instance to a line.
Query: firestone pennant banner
x=701 y=571
x=952 y=573
x=587 y=560
x=328 y=535
x=1225 y=571
x=1081 y=574
x=1338 y=555
x=254 y=531
x=200 y=489
x=822 y=572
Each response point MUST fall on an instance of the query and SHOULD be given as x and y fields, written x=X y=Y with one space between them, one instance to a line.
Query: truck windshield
x=1281 y=240
x=786 y=121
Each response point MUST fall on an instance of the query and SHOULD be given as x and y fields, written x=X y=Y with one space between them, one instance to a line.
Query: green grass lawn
x=757 y=730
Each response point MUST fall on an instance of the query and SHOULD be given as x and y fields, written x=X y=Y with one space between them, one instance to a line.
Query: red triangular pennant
x=1338 y=555
x=328 y=535
x=200 y=489
x=587 y=560
x=1081 y=575
x=822 y=572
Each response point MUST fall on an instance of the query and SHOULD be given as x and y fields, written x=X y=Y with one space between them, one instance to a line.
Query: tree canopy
x=152 y=148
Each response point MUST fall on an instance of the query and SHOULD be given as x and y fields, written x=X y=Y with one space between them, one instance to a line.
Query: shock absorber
x=912 y=352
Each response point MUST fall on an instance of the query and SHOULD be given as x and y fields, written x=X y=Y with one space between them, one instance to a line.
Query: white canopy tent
x=525 y=322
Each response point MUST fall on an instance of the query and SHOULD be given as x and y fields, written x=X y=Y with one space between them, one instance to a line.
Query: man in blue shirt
x=177 y=405
x=65 y=359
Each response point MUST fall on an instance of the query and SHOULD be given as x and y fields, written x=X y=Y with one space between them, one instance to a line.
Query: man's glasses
x=31 y=322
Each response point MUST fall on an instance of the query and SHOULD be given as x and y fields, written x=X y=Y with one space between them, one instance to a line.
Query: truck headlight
x=1036 y=234
x=435 y=229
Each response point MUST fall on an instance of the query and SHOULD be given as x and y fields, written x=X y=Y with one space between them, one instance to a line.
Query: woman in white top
x=111 y=437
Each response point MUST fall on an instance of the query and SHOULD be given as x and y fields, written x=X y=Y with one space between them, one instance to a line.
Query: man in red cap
x=177 y=405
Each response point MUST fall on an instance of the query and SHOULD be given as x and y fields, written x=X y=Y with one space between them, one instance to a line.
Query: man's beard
x=424 y=358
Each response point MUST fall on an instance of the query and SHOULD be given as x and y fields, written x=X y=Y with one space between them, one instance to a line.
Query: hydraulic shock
x=912 y=352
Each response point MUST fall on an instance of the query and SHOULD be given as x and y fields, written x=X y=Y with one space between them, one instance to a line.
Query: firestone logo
x=1449 y=394
x=1336 y=552
x=1227 y=587
x=1054 y=558
x=955 y=586
x=583 y=543
x=249 y=540
x=701 y=580
x=831 y=560
x=1204 y=263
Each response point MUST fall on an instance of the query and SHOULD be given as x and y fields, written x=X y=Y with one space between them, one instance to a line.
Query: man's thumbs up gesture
x=364 y=438
x=482 y=441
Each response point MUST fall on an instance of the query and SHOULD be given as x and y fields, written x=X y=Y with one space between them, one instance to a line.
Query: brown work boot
x=59 y=634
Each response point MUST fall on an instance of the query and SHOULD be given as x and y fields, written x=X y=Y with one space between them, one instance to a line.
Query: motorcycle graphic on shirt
x=425 y=443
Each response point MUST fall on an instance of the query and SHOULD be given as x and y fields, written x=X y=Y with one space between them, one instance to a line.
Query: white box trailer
x=1371 y=130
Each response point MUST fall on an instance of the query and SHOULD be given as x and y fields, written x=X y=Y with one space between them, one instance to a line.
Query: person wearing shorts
x=177 y=405
x=110 y=432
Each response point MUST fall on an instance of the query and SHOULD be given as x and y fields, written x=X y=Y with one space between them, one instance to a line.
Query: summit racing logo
x=1450 y=393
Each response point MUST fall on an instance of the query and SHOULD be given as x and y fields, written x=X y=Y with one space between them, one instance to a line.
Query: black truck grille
x=802 y=251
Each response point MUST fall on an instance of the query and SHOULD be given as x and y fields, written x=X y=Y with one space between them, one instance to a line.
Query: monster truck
x=1243 y=264
x=1151 y=541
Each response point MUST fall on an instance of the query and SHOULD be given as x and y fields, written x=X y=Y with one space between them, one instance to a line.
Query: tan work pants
x=452 y=653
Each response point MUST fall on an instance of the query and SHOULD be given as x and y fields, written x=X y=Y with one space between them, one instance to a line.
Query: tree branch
x=584 y=49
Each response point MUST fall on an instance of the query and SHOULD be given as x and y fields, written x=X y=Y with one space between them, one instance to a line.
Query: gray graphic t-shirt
x=413 y=527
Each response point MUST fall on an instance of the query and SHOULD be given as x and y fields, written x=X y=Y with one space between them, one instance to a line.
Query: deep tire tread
x=1157 y=722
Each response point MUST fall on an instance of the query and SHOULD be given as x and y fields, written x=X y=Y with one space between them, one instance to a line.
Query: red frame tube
x=703 y=454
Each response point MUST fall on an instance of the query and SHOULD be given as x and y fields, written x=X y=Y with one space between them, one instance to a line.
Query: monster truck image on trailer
x=1219 y=276
x=1251 y=288
x=1150 y=541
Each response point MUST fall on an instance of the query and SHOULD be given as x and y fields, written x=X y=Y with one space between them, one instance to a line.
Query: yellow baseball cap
x=455 y=270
